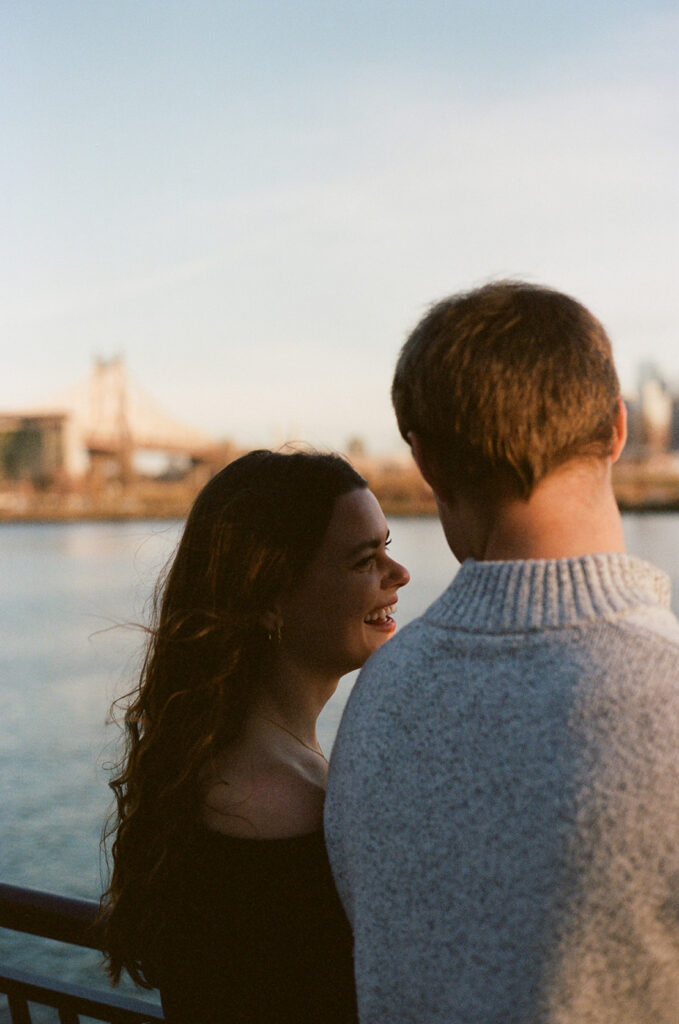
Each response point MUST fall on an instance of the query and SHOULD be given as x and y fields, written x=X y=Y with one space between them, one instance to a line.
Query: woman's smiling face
x=342 y=609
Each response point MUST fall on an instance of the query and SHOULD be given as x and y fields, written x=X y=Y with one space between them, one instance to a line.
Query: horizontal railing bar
x=100 y=1005
x=49 y=915
x=66 y=920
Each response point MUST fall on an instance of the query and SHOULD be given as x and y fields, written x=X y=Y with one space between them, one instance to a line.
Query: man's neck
x=571 y=513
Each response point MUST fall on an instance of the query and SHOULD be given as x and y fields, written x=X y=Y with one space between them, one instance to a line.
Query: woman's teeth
x=381 y=615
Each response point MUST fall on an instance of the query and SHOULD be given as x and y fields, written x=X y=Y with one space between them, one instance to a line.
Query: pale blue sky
x=255 y=201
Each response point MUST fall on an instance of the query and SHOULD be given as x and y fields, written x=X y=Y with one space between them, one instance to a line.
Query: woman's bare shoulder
x=261 y=801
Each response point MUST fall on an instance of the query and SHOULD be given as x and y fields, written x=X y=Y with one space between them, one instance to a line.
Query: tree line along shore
x=650 y=485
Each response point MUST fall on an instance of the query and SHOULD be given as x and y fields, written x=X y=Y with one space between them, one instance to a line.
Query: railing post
x=19 y=1011
x=68 y=1017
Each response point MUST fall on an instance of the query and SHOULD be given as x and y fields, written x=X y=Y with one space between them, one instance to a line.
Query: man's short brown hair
x=504 y=383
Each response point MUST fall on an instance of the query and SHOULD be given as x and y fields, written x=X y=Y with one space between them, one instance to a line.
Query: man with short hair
x=503 y=808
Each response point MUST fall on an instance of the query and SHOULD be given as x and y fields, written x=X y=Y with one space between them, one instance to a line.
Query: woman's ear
x=272 y=620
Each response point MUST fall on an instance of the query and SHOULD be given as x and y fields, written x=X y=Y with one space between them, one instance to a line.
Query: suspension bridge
x=107 y=416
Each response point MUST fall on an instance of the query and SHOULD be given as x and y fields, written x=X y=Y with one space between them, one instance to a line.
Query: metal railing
x=67 y=920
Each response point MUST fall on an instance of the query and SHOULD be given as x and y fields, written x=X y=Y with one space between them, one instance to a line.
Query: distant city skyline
x=254 y=203
x=79 y=397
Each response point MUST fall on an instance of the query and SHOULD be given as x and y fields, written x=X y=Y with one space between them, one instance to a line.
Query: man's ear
x=619 y=431
x=422 y=460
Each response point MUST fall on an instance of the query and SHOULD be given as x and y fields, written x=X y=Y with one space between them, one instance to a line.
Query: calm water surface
x=66 y=593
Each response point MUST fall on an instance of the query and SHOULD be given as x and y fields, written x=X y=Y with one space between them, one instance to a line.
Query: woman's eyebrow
x=375 y=542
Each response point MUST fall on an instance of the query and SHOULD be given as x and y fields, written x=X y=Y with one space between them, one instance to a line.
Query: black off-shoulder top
x=259 y=935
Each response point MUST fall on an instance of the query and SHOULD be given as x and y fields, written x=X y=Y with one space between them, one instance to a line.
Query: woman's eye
x=369 y=560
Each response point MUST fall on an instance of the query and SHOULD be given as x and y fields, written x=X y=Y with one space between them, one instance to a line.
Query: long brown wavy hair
x=251 y=533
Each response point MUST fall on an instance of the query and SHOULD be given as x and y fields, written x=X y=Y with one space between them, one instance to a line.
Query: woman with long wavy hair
x=221 y=893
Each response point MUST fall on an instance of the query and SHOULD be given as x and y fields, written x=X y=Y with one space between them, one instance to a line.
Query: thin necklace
x=278 y=725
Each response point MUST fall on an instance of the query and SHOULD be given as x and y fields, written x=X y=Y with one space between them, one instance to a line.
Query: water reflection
x=64 y=658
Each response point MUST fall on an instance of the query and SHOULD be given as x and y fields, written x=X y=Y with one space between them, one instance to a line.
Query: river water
x=69 y=596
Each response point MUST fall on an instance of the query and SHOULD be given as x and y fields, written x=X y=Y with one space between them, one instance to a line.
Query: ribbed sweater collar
x=499 y=597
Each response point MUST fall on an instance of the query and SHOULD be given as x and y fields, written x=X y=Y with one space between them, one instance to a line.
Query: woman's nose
x=398 y=575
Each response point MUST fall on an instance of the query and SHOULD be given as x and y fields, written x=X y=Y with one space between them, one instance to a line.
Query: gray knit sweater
x=503 y=810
